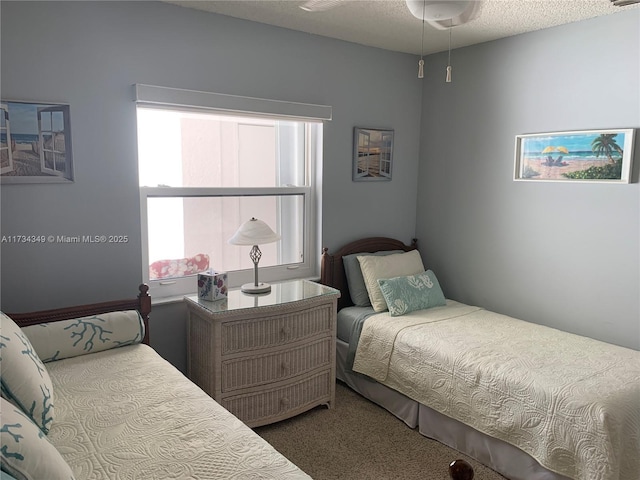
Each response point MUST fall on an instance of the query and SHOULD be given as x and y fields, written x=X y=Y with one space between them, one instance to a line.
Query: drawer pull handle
x=285 y=366
x=284 y=330
x=284 y=402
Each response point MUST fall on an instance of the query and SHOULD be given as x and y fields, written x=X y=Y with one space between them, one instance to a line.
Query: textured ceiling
x=388 y=24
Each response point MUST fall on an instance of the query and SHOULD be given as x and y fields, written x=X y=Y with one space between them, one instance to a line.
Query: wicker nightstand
x=265 y=357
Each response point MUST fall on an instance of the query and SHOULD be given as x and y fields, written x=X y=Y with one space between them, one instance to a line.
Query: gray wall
x=89 y=54
x=565 y=255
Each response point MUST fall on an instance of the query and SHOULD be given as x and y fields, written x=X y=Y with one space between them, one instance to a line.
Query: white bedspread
x=126 y=413
x=571 y=402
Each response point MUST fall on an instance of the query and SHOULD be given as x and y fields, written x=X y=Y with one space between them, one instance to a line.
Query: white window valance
x=150 y=95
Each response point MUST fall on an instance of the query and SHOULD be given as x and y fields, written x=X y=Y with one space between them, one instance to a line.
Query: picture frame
x=372 y=154
x=35 y=142
x=593 y=156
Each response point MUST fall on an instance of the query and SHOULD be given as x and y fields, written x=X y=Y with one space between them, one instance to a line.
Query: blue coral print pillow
x=25 y=380
x=414 y=292
x=26 y=453
x=79 y=336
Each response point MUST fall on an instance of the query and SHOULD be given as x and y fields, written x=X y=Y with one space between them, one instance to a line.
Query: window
x=204 y=169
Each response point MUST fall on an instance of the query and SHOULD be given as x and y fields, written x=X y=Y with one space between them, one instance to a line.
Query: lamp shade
x=254 y=232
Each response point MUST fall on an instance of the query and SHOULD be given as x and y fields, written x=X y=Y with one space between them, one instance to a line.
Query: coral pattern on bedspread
x=571 y=402
x=126 y=413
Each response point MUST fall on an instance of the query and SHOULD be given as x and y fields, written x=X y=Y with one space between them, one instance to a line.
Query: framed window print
x=35 y=143
x=372 y=154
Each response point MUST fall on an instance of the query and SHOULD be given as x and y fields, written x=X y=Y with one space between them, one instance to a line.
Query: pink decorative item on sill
x=178 y=267
x=212 y=285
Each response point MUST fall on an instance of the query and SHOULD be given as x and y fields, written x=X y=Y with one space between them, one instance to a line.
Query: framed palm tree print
x=580 y=156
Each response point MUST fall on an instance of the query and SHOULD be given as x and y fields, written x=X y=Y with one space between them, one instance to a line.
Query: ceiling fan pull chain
x=448 y=77
x=421 y=62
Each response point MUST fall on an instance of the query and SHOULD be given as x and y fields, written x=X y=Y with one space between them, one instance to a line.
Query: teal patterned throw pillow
x=79 y=336
x=414 y=292
x=25 y=380
x=26 y=453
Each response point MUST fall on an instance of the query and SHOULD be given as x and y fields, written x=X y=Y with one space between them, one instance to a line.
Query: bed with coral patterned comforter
x=83 y=399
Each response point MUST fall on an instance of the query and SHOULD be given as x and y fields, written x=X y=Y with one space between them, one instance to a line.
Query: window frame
x=187 y=100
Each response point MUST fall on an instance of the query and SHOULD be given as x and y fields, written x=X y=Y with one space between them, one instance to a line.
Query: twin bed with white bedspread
x=529 y=401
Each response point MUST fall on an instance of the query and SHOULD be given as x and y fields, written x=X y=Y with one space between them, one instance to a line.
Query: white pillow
x=24 y=379
x=355 y=281
x=26 y=452
x=397 y=265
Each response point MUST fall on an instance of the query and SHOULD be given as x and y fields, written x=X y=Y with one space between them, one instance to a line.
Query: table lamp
x=254 y=232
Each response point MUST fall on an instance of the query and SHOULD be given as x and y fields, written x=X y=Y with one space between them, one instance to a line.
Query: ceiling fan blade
x=624 y=3
x=320 y=5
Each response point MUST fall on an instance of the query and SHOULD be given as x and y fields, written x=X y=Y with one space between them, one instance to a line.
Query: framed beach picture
x=372 y=154
x=35 y=143
x=584 y=156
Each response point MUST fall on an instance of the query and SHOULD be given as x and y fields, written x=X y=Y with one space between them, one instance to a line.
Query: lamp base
x=253 y=288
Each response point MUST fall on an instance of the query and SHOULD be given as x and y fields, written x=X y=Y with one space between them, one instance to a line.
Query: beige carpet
x=358 y=440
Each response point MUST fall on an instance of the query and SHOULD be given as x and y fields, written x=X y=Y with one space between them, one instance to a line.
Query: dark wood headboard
x=142 y=303
x=332 y=268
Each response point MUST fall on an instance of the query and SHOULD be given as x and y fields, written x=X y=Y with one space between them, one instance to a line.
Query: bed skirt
x=498 y=455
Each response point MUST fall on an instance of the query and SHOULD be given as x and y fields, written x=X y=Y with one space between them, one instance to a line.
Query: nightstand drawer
x=267 y=406
x=245 y=336
x=244 y=372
